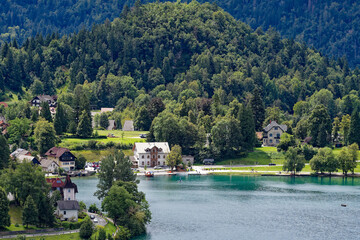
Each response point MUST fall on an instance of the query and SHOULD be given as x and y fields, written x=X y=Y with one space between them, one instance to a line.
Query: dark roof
x=56 y=152
x=209 y=160
x=69 y=184
x=275 y=124
x=44 y=98
x=68 y=205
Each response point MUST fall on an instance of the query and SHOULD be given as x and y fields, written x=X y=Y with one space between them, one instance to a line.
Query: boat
x=343 y=205
x=149 y=174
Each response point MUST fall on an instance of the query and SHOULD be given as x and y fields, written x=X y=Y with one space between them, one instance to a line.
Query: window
x=69 y=199
x=142 y=163
x=163 y=156
x=69 y=190
x=270 y=141
x=270 y=134
x=276 y=128
x=142 y=156
x=277 y=140
x=153 y=156
x=278 y=135
x=158 y=162
x=64 y=212
x=147 y=156
x=158 y=156
x=148 y=163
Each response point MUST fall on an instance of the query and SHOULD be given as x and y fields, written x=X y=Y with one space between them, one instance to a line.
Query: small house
x=48 y=165
x=69 y=189
x=62 y=156
x=104 y=110
x=186 y=159
x=26 y=158
x=68 y=210
x=51 y=100
x=272 y=134
x=112 y=125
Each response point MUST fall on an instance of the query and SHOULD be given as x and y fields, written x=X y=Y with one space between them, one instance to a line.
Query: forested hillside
x=186 y=70
x=330 y=26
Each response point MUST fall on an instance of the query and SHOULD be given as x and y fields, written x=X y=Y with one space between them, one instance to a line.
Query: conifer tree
x=84 y=128
x=30 y=212
x=45 y=111
x=104 y=120
x=4 y=209
x=258 y=109
x=4 y=152
x=247 y=128
x=59 y=121
x=354 y=136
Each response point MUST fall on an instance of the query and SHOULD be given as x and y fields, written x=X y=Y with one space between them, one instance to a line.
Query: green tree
x=45 y=111
x=354 y=136
x=37 y=88
x=294 y=160
x=142 y=120
x=324 y=161
x=30 y=212
x=4 y=152
x=247 y=127
x=174 y=157
x=17 y=131
x=347 y=158
x=104 y=120
x=286 y=141
x=258 y=109
x=4 y=209
x=86 y=229
x=60 y=119
x=345 y=128
x=44 y=136
x=45 y=211
x=102 y=234
x=336 y=128
x=320 y=126
x=114 y=167
x=84 y=129
x=80 y=162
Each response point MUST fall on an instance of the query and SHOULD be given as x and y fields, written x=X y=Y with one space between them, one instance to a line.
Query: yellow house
x=63 y=157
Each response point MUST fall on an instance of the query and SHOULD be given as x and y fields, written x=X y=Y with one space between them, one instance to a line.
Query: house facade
x=36 y=101
x=272 y=134
x=48 y=165
x=186 y=159
x=62 y=156
x=68 y=210
x=151 y=154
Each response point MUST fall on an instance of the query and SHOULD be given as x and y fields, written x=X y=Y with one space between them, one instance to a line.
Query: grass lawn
x=97 y=155
x=125 y=137
x=71 y=236
x=260 y=156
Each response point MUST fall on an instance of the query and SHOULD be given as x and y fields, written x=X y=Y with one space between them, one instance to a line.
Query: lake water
x=246 y=207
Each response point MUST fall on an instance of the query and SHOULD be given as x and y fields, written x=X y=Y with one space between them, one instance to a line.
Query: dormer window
x=276 y=128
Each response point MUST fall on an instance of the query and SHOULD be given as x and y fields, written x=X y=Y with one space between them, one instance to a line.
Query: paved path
x=41 y=234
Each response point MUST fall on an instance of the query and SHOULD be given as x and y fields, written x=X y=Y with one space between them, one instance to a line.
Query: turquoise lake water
x=246 y=207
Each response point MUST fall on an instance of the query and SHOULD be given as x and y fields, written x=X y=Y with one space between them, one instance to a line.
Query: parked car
x=96 y=220
x=157 y=167
x=142 y=135
x=92 y=216
x=272 y=164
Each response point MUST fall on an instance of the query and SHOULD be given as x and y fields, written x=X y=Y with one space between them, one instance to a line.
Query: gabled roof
x=45 y=163
x=275 y=124
x=68 y=205
x=112 y=125
x=145 y=147
x=69 y=184
x=26 y=158
x=55 y=182
x=56 y=152
x=44 y=98
x=19 y=152
x=106 y=110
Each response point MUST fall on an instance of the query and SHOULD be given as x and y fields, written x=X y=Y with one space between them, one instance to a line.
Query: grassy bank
x=123 y=137
x=260 y=156
x=97 y=155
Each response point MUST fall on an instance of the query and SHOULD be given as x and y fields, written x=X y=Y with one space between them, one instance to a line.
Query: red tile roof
x=55 y=182
x=56 y=152
x=4 y=103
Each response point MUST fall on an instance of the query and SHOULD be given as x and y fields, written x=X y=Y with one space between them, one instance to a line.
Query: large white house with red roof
x=150 y=154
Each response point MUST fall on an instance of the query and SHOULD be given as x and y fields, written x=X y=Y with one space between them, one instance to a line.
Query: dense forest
x=330 y=26
x=191 y=66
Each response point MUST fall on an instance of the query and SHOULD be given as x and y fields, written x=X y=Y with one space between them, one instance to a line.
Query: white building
x=150 y=154
x=68 y=210
x=186 y=159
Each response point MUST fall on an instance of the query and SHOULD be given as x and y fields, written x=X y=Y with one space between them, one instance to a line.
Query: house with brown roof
x=49 y=165
x=62 y=156
x=272 y=134
x=67 y=209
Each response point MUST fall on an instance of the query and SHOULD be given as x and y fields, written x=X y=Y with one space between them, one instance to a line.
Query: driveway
x=101 y=220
